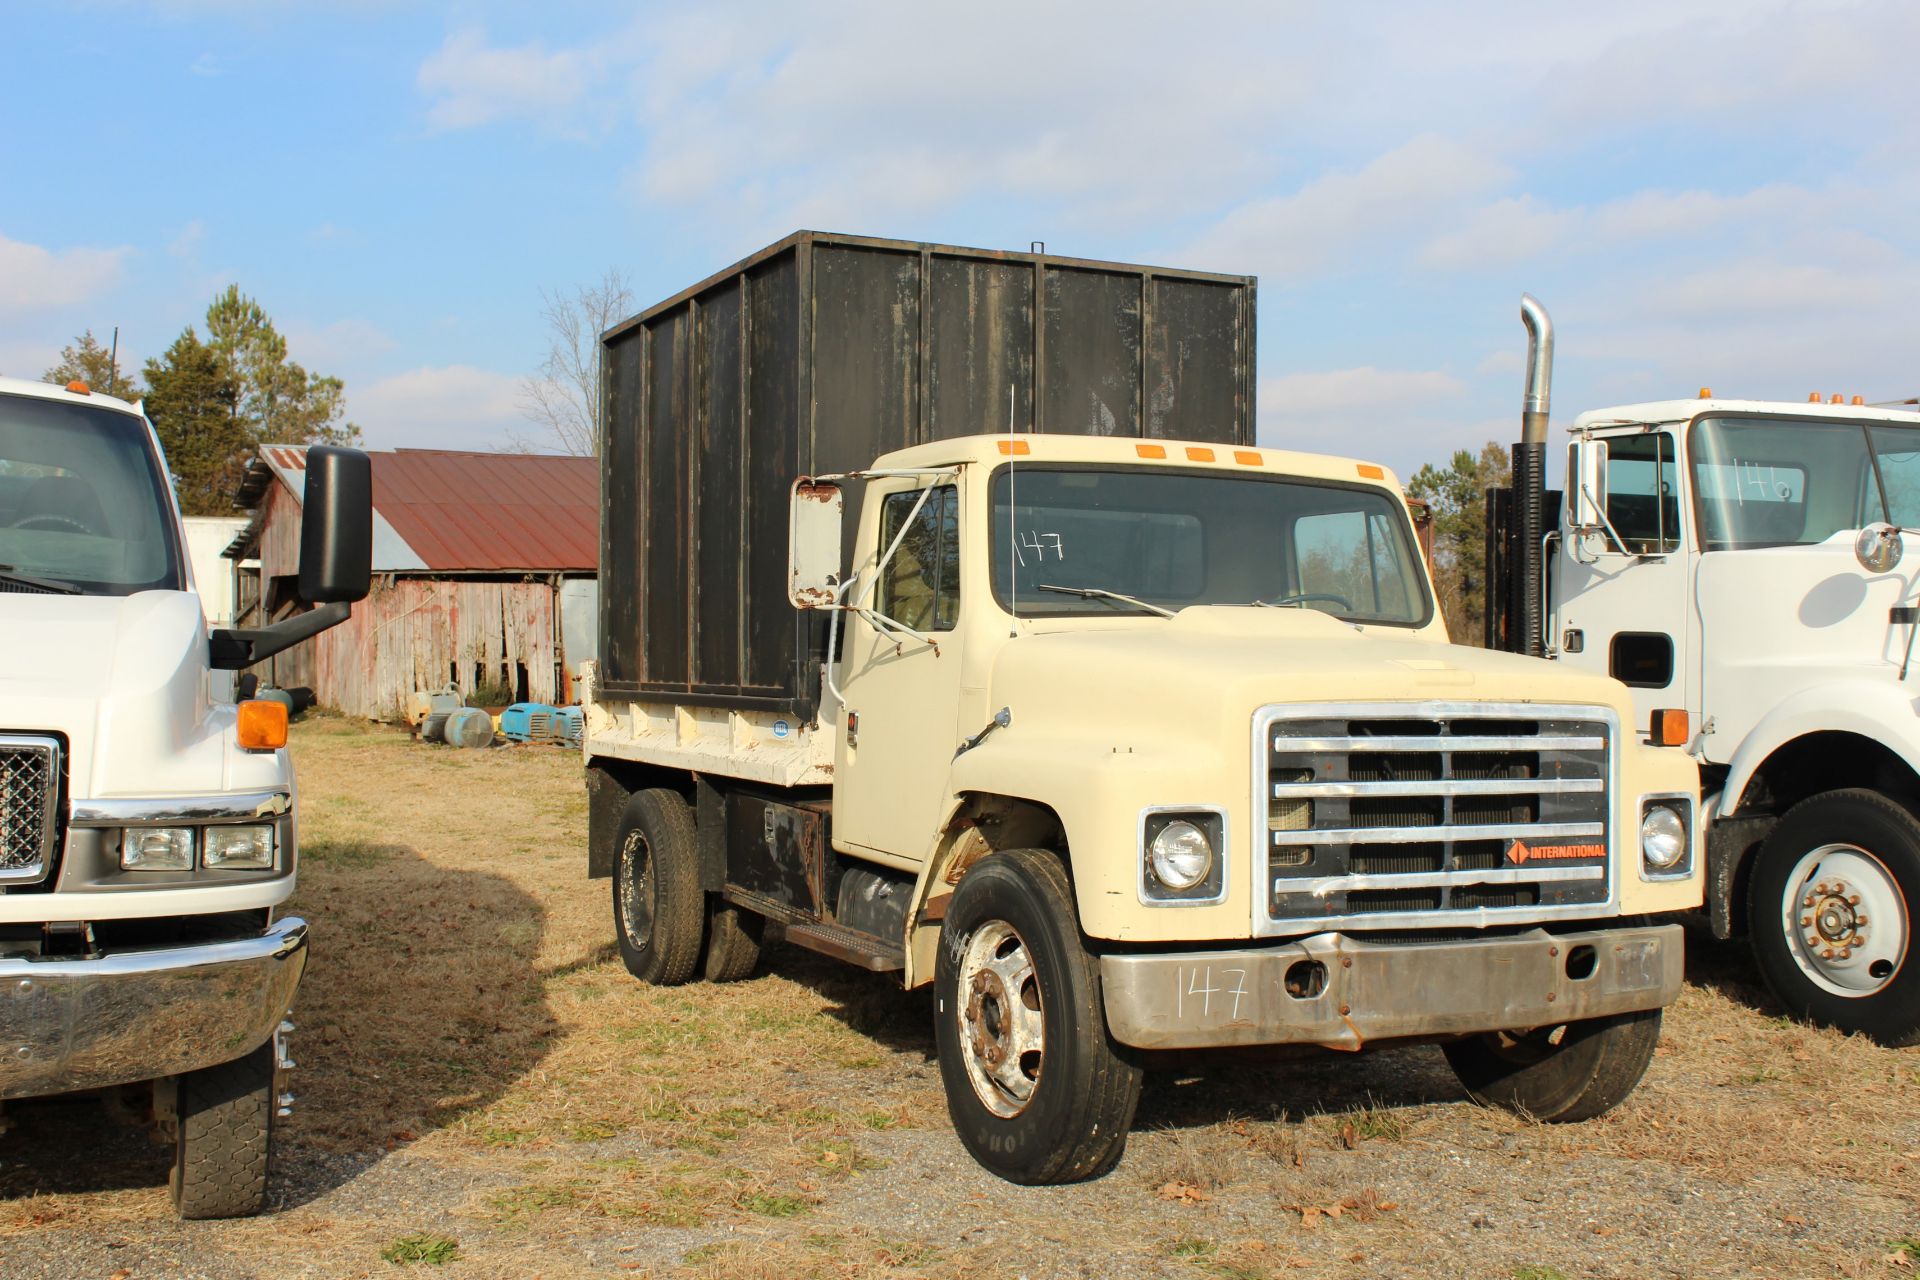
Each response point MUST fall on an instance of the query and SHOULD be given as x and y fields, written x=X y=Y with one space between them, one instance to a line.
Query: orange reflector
x=1014 y=447
x=1151 y=450
x=79 y=388
x=262 y=726
x=1670 y=728
x=1245 y=458
x=1370 y=472
x=1199 y=455
x=1706 y=393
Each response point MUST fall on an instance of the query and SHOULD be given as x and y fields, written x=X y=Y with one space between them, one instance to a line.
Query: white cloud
x=1510 y=230
x=446 y=407
x=1389 y=415
x=344 y=342
x=40 y=279
x=474 y=84
x=1318 y=227
x=187 y=243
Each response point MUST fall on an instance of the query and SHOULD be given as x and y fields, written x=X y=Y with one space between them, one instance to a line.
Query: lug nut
x=1853 y=900
x=1846 y=953
x=1806 y=922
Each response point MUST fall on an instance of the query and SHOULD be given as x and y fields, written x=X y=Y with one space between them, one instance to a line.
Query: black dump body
x=819 y=354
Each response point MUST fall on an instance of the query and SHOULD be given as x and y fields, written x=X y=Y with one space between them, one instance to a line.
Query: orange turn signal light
x=1670 y=728
x=262 y=725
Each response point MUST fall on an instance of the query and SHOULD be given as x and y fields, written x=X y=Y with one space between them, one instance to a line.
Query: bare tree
x=564 y=396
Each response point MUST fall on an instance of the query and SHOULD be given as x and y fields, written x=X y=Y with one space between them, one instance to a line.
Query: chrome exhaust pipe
x=1530 y=482
x=1533 y=411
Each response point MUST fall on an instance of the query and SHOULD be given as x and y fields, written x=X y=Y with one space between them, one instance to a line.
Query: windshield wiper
x=9 y=574
x=1101 y=593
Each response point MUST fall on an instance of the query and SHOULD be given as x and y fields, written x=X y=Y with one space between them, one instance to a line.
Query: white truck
x=147 y=826
x=1742 y=566
x=1123 y=742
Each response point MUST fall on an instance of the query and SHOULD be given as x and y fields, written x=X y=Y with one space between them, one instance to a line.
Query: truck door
x=1622 y=601
x=900 y=689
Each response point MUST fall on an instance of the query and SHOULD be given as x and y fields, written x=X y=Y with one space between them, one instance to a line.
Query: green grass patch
x=1192 y=1248
x=435 y=1251
x=1907 y=1247
x=1538 y=1271
x=593 y=1131
x=881 y=1120
x=768 y=1204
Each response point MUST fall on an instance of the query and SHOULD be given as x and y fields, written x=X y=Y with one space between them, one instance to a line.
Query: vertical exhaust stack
x=1530 y=481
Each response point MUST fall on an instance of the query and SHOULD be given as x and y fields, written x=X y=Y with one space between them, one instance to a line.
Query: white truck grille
x=29 y=806
x=1377 y=816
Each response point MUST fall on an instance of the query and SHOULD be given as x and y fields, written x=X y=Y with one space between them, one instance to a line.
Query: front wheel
x=1038 y=1092
x=1567 y=1073
x=1831 y=914
x=224 y=1118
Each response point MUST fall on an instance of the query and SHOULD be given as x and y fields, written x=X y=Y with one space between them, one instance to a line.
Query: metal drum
x=469 y=727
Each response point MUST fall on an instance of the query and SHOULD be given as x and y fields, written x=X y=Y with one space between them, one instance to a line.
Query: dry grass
x=476 y=1066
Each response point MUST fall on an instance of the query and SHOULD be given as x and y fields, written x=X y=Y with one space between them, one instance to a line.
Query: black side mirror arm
x=235 y=649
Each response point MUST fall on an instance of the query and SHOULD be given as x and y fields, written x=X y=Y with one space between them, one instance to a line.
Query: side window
x=1897 y=450
x=1643 y=504
x=1356 y=556
x=921 y=585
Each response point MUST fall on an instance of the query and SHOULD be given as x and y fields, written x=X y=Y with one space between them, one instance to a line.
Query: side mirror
x=336 y=526
x=1878 y=547
x=813 y=543
x=1587 y=474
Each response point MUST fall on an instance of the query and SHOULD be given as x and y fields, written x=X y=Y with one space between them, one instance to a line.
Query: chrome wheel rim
x=1002 y=1021
x=636 y=891
x=1845 y=920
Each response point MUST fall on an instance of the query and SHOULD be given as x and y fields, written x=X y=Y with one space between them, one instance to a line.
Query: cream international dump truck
x=147 y=833
x=1743 y=565
x=951 y=622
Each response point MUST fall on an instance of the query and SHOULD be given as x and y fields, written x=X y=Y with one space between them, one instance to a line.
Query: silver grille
x=1380 y=816
x=29 y=800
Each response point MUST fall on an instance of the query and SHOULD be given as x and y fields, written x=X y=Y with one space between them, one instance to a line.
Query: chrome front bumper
x=1332 y=990
x=69 y=1024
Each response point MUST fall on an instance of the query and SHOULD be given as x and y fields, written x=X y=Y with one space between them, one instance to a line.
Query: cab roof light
x=1706 y=393
x=1197 y=454
x=1370 y=472
x=1860 y=400
x=1009 y=448
x=1246 y=457
x=1669 y=728
x=262 y=725
x=1813 y=397
x=1836 y=398
x=79 y=388
x=1151 y=450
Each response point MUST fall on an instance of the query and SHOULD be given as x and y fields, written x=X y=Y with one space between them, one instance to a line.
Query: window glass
x=1761 y=482
x=921 y=585
x=82 y=499
x=1642 y=498
x=1171 y=539
x=1897 y=451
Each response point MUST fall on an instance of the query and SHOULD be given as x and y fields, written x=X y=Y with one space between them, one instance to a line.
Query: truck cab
x=1743 y=567
x=148 y=832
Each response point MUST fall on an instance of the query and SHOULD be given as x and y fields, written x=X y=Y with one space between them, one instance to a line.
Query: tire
x=225 y=1137
x=734 y=936
x=1559 y=1074
x=659 y=912
x=1015 y=912
x=1830 y=911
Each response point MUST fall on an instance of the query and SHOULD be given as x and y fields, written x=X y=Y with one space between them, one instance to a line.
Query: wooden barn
x=483 y=578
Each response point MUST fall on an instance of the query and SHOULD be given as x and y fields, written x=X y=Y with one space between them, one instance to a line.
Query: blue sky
x=1703 y=194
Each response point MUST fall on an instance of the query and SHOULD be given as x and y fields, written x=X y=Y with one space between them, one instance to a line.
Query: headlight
x=1180 y=855
x=239 y=847
x=1663 y=838
x=157 y=849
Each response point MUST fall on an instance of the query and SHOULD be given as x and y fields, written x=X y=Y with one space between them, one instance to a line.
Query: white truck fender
x=1879 y=711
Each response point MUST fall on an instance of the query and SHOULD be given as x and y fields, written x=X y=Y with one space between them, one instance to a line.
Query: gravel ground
x=477 y=1069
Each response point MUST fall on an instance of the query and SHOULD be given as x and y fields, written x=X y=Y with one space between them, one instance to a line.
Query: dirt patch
x=485 y=1092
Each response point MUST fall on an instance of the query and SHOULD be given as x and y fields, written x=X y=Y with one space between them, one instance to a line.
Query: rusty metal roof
x=480 y=511
x=443 y=510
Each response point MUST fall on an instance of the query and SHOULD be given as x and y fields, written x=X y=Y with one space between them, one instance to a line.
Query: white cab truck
x=1743 y=566
x=147 y=832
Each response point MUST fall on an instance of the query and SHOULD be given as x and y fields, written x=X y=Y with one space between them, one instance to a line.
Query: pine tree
x=1457 y=496
x=89 y=362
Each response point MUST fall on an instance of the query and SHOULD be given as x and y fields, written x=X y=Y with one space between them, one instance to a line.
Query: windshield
x=83 y=503
x=1134 y=541
x=1775 y=482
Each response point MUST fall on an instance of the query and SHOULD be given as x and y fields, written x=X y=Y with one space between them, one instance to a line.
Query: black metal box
x=822 y=352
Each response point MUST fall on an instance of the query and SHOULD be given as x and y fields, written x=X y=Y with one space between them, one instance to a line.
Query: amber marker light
x=79 y=388
x=1706 y=393
x=1199 y=455
x=1014 y=447
x=1246 y=457
x=1370 y=472
x=1669 y=728
x=1151 y=450
x=262 y=725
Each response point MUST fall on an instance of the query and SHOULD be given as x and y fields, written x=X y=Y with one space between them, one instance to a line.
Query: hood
x=1216 y=662
x=123 y=678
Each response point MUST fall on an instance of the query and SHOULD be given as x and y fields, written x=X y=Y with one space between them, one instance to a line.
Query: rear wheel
x=658 y=908
x=225 y=1135
x=1038 y=1091
x=733 y=942
x=1831 y=911
x=1571 y=1072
